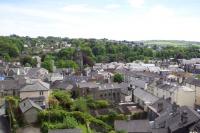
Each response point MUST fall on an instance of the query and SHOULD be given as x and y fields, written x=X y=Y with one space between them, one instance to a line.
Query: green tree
x=80 y=104
x=48 y=64
x=118 y=78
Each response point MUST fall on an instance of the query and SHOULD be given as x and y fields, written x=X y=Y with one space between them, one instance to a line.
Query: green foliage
x=198 y=76
x=96 y=104
x=118 y=78
x=64 y=98
x=80 y=104
x=56 y=119
x=7 y=57
x=48 y=63
x=66 y=64
x=12 y=112
x=111 y=117
x=139 y=115
x=66 y=53
x=11 y=46
x=28 y=60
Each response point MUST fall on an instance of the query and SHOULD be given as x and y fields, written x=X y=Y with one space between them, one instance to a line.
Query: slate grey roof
x=37 y=72
x=145 y=96
x=87 y=85
x=167 y=106
x=139 y=83
x=65 y=131
x=165 y=86
x=27 y=104
x=9 y=85
x=76 y=79
x=193 y=81
x=36 y=86
x=109 y=86
x=61 y=85
x=136 y=126
x=173 y=121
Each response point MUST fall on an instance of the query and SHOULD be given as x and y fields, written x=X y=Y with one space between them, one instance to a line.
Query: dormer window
x=24 y=104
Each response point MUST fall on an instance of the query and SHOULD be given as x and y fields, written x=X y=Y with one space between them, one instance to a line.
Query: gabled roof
x=9 y=85
x=166 y=106
x=145 y=96
x=136 y=126
x=36 y=86
x=193 y=81
x=173 y=120
x=27 y=104
x=87 y=85
x=109 y=86
x=61 y=85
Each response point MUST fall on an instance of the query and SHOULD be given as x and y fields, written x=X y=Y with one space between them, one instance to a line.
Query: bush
x=56 y=119
x=80 y=104
x=64 y=98
x=96 y=104
x=118 y=78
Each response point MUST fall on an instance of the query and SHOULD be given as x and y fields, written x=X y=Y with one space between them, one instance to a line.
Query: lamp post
x=130 y=88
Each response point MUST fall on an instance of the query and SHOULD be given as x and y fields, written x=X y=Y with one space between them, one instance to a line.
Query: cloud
x=112 y=6
x=157 y=22
x=136 y=3
x=82 y=8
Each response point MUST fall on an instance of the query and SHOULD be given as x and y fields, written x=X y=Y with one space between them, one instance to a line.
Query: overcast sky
x=112 y=19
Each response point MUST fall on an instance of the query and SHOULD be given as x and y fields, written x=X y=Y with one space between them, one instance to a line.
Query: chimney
x=160 y=107
x=174 y=108
x=184 y=117
x=169 y=100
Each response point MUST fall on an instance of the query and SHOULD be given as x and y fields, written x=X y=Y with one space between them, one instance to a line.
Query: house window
x=41 y=92
x=88 y=90
x=24 y=104
x=114 y=95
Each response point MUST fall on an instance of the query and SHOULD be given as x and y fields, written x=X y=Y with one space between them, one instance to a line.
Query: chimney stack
x=184 y=117
x=160 y=106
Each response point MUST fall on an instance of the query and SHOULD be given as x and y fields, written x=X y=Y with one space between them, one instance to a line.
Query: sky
x=113 y=19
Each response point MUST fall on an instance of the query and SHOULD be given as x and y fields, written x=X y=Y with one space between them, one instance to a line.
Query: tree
x=7 y=57
x=28 y=60
x=48 y=64
x=118 y=78
x=80 y=104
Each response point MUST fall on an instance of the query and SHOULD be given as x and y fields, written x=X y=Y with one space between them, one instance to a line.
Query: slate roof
x=145 y=96
x=165 y=86
x=37 y=72
x=61 y=85
x=109 y=86
x=136 y=126
x=9 y=85
x=76 y=79
x=167 y=106
x=193 y=81
x=65 y=131
x=173 y=121
x=139 y=83
x=36 y=86
x=87 y=85
x=27 y=104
